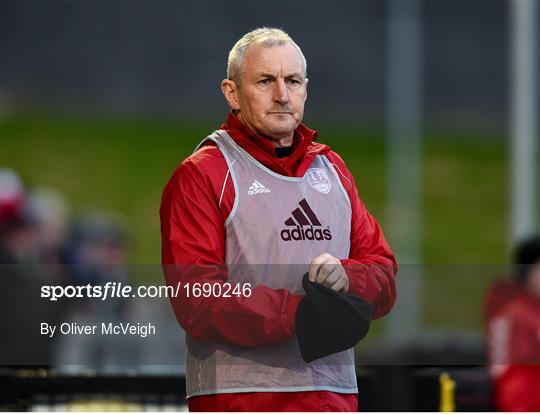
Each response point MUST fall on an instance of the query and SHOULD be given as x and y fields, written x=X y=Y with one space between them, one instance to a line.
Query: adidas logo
x=257 y=188
x=304 y=220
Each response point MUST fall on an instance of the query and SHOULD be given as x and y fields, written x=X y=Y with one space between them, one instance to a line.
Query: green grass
x=122 y=165
x=112 y=165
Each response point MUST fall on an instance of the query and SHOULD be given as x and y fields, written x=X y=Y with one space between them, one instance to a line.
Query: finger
x=339 y=285
x=334 y=275
x=315 y=266
x=324 y=272
x=345 y=288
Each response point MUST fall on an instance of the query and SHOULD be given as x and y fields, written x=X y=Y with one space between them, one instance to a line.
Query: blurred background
x=432 y=104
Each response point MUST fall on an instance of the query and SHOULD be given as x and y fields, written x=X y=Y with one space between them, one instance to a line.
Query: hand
x=328 y=271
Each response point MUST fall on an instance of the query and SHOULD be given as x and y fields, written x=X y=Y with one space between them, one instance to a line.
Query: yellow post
x=447 y=393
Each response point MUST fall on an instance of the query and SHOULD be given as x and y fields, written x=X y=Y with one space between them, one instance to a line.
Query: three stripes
x=304 y=216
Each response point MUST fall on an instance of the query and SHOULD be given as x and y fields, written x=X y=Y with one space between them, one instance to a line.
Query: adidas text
x=306 y=233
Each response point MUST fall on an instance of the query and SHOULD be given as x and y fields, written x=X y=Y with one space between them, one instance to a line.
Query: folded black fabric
x=328 y=322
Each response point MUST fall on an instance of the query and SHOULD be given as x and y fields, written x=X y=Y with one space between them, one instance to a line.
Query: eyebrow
x=270 y=76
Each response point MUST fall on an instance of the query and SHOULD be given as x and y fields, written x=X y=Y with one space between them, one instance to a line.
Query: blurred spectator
x=513 y=333
x=96 y=254
x=39 y=245
x=98 y=242
x=51 y=213
x=20 y=278
x=18 y=236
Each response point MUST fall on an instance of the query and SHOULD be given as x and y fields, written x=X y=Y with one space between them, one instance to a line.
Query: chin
x=282 y=128
x=280 y=132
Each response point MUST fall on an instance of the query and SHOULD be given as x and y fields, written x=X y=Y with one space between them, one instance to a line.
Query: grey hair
x=267 y=36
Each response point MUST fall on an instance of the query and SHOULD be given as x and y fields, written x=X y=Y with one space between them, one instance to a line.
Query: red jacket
x=195 y=203
x=513 y=344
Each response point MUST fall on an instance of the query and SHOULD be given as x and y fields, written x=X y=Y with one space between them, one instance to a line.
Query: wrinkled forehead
x=278 y=60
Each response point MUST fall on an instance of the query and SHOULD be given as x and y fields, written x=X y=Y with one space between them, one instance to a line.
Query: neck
x=283 y=142
x=278 y=141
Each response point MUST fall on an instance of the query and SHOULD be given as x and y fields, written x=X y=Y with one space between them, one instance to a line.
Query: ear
x=229 y=89
x=305 y=86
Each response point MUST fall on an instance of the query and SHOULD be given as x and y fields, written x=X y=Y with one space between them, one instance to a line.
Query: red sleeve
x=193 y=233
x=371 y=265
x=517 y=389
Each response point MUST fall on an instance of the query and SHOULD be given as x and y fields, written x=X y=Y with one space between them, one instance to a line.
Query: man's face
x=271 y=92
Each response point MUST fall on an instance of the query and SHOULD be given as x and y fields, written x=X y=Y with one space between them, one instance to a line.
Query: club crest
x=318 y=179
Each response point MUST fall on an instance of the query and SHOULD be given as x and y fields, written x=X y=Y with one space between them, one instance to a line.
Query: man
x=262 y=197
x=513 y=333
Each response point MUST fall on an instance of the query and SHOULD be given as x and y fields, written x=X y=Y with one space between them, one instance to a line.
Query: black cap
x=328 y=322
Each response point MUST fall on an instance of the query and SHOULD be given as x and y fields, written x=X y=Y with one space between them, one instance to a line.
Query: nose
x=281 y=94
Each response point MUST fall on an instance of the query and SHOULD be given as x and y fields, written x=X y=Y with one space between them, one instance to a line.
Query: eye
x=264 y=82
x=293 y=81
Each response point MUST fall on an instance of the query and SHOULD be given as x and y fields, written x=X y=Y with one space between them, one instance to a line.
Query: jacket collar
x=263 y=150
